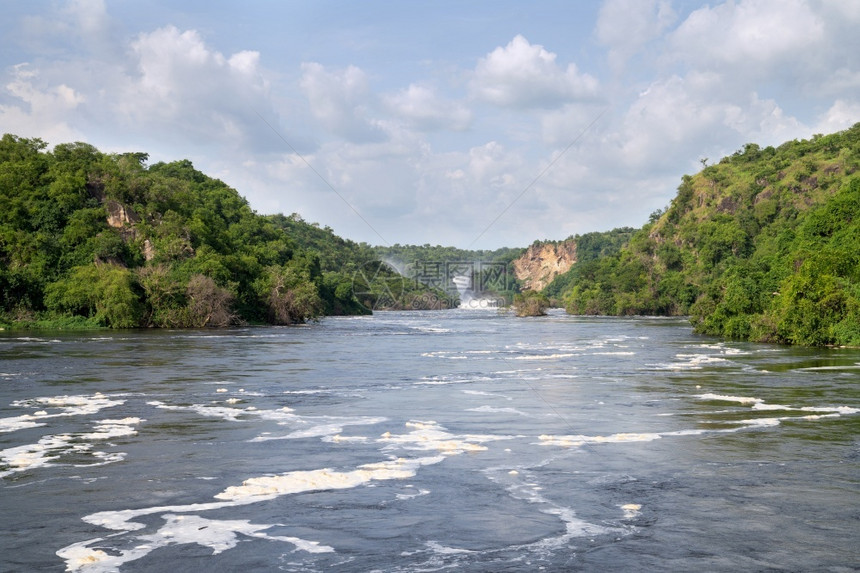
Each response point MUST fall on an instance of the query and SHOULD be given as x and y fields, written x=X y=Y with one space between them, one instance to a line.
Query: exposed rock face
x=542 y=262
x=119 y=215
x=148 y=250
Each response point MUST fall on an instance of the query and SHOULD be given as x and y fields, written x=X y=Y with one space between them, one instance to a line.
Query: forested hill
x=88 y=238
x=764 y=245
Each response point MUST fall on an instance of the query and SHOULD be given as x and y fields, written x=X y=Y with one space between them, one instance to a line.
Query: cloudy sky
x=477 y=124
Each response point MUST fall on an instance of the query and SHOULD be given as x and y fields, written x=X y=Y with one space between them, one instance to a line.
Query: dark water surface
x=427 y=441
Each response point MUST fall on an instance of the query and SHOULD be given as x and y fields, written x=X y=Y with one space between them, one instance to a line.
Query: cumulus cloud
x=181 y=82
x=341 y=101
x=769 y=37
x=423 y=108
x=39 y=108
x=625 y=26
x=677 y=116
x=524 y=75
x=841 y=115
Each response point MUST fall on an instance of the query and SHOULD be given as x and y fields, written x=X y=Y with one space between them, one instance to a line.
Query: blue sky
x=474 y=124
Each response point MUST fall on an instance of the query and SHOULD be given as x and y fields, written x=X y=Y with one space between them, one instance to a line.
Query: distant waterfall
x=468 y=300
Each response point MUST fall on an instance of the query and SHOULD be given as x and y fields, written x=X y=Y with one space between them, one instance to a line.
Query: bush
x=530 y=303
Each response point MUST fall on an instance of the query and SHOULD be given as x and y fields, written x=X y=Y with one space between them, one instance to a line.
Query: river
x=427 y=441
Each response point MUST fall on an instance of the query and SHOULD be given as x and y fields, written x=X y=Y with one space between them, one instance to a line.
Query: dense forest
x=93 y=239
x=764 y=245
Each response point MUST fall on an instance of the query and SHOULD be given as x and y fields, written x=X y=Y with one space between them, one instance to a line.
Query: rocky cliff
x=542 y=262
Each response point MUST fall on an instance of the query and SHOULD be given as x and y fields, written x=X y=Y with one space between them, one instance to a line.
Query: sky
x=475 y=124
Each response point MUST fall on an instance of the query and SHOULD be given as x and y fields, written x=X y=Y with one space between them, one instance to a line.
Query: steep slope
x=543 y=261
x=764 y=245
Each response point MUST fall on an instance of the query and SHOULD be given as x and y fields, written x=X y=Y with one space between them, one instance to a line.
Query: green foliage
x=102 y=292
x=93 y=239
x=764 y=245
x=530 y=303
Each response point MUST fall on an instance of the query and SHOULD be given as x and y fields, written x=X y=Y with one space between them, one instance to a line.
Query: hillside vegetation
x=764 y=245
x=92 y=239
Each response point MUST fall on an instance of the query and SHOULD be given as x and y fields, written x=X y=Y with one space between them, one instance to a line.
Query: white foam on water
x=440 y=381
x=619 y=353
x=218 y=535
x=482 y=393
x=760 y=422
x=431 y=329
x=52 y=447
x=80 y=556
x=631 y=510
x=430 y=436
x=755 y=404
x=770 y=407
x=31 y=456
x=544 y=356
x=689 y=362
x=338 y=439
x=574 y=526
x=440 y=549
x=490 y=409
x=581 y=440
x=325 y=430
x=528 y=490
x=854 y=366
x=62 y=406
x=76 y=405
x=229 y=414
x=835 y=409
x=312 y=392
x=818 y=416
x=106 y=429
x=723 y=398
x=22 y=422
x=406 y=496
x=447 y=354
x=759 y=404
x=282 y=415
x=324 y=479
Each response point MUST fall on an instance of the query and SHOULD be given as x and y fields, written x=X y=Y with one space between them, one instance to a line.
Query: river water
x=427 y=441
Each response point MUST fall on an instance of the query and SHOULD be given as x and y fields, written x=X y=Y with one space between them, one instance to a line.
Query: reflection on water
x=427 y=441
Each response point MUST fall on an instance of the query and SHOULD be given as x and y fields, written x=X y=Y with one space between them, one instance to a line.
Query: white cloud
x=625 y=26
x=753 y=36
x=39 y=108
x=90 y=16
x=340 y=100
x=523 y=75
x=423 y=108
x=678 y=120
x=841 y=115
x=182 y=83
